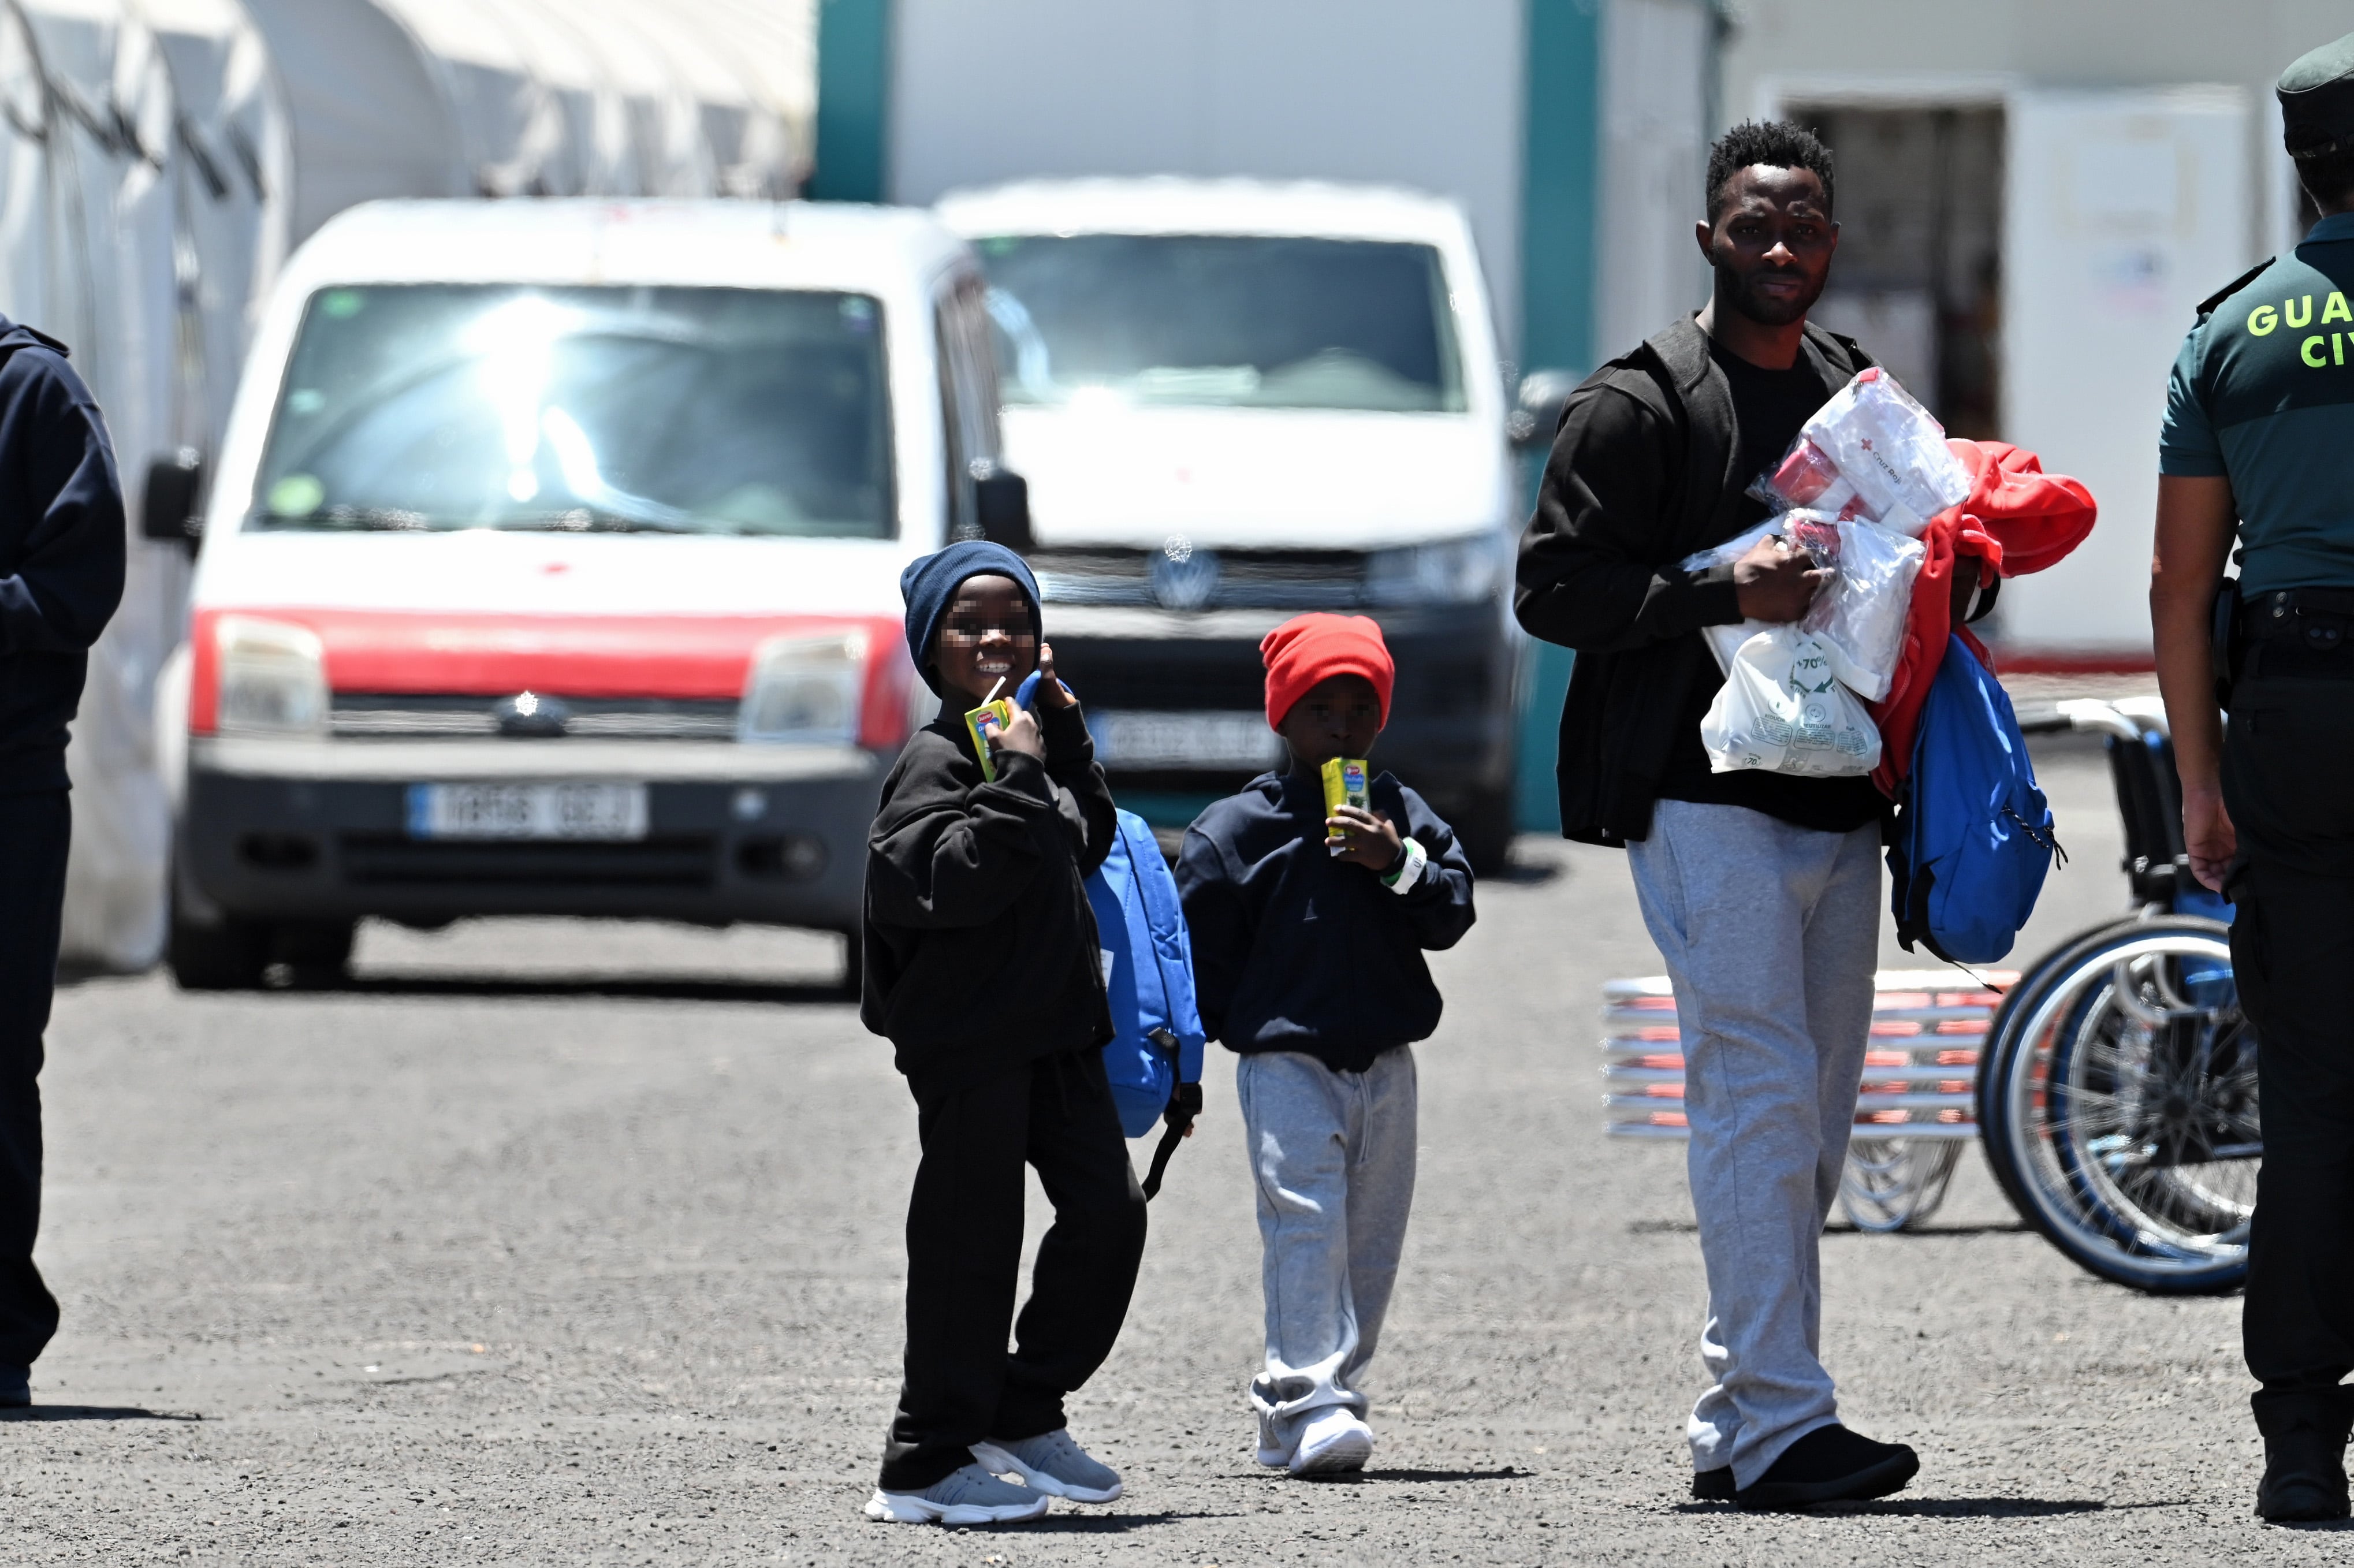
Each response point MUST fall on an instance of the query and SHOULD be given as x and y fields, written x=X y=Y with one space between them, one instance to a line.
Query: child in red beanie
x=1309 y=931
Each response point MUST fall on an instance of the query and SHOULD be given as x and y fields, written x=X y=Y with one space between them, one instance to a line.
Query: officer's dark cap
x=2316 y=100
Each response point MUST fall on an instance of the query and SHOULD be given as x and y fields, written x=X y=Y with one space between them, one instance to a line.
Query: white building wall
x=1410 y=92
x=1655 y=135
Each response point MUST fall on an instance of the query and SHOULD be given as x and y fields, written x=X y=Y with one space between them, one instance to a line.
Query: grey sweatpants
x=1770 y=933
x=1333 y=1156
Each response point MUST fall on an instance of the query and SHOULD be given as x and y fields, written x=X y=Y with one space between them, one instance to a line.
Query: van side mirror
x=1536 y=414
x=167 y=510
x=1002 y=506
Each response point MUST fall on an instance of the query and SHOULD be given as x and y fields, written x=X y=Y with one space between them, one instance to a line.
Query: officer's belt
x=2301 y=631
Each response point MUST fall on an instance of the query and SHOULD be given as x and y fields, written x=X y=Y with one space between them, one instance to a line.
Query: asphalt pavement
x=544 y=1242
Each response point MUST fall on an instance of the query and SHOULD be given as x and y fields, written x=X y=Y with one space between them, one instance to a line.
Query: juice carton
x=982 y=722
x=1345 y=784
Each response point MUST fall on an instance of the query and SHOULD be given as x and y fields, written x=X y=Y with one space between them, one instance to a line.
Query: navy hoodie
x=1294 y=950
x=61 y=552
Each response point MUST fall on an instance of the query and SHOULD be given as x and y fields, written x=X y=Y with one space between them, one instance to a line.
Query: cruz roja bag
x=1154 y=1060
x=1974 y=834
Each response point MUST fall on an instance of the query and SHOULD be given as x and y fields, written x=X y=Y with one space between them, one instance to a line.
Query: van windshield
x=1228 y=320
x=630 y=410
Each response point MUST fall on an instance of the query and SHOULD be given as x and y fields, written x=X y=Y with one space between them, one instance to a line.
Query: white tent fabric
x=159 y=159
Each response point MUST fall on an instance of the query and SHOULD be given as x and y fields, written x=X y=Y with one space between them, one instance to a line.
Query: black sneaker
x=1714 y=1486
x=1832 y=1464
x=2305 y=1454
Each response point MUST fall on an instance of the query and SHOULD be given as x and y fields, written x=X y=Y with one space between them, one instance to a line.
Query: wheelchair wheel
x=2118 y=1100
x=1891 y=1182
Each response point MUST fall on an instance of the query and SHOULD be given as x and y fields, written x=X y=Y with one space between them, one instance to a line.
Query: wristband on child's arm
x=1409 y=870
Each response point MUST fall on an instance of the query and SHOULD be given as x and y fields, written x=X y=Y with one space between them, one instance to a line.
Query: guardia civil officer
x=2258 y=430
x=62 y=556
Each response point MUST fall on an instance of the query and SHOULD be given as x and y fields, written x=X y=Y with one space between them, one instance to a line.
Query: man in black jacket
x=1762 y=889
x=984 y=971
x=61 y=554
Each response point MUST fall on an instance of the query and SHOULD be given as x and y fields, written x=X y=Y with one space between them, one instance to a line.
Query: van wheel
x=231 y=956
x=853 y=967
x=1485 y=831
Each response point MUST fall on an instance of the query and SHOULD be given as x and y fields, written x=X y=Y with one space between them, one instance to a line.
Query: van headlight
x=804 y=690
x=1457 y=571
x=274 y=677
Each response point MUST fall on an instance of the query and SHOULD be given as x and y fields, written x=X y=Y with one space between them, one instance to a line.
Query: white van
x=1237 y=400
x=552 y=565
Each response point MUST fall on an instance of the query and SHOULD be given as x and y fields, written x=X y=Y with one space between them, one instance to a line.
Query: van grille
x=1248 y=579
x=371 y=716
x=685 y=860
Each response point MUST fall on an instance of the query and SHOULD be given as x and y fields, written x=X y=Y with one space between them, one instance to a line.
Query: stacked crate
x=1920 y=1070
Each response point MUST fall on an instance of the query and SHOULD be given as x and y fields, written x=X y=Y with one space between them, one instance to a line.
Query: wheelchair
x=2117 y=1087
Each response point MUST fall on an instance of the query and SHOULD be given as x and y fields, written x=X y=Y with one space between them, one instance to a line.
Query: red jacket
x=2018 y=519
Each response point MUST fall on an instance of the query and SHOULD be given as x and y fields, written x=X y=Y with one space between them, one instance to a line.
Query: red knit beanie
x=1308 y=649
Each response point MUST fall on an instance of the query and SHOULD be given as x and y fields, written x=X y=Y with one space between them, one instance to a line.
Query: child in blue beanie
x=983 y=968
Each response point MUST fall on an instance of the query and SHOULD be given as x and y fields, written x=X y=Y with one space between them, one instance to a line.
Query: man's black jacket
x=1294 y=950
x=981 y=949
x=61 y=552
x=1644 y=473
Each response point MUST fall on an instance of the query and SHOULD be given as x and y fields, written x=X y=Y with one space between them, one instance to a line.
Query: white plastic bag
x=1724 y=642
x=1860 y=614
x=1871 y=452
x=1781 y=709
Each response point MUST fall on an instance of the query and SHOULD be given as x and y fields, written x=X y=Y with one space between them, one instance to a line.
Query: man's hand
x=1365 y=837
x=1052 y=693
x=2209 y=836
x=1021 y=736
x=1774 y=582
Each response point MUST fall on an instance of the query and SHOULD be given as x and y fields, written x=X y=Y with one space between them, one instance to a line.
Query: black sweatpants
x=964 y=1257
x=2289 y=785
x=35 y=831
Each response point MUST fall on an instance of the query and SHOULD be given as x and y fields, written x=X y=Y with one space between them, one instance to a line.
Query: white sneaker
x=1273 y=1451
x=1334 y=1441
x=1053 y=1463
x=968 y=1496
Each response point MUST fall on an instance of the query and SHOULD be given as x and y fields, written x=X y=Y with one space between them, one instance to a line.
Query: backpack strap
x=1185 y=1098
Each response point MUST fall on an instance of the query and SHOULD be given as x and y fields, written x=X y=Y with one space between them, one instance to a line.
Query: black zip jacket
x=1294 y=950
x=61 y=552
x=981 y=949
x=1643 y=472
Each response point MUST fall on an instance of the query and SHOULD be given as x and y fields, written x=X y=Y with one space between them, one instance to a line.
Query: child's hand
x=1021 y=736
x=1366 y=837
x=1051 y=691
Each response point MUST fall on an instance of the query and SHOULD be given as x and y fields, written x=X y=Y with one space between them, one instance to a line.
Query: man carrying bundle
x=1761 y=888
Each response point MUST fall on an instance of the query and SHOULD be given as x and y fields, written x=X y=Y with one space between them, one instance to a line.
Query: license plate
x=528 y=811
x=1137 y=741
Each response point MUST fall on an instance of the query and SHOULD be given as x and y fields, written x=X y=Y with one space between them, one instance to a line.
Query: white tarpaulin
x=162 y=157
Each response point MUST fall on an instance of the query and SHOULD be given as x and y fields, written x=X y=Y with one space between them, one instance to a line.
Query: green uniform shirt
x=2263 y=393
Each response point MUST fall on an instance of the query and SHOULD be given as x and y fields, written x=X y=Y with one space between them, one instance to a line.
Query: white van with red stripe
x=551 y=568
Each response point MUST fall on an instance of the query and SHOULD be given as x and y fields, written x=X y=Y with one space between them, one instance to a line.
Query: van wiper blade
x=387 y=518
x=597 y=520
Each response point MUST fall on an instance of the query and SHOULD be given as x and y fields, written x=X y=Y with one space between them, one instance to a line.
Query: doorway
x=1919 y=197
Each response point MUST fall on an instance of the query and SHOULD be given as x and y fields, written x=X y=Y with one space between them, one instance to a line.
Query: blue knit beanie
x=929 y=585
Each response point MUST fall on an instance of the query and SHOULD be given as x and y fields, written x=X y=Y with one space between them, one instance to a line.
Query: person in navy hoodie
x=1308 y=932
x=62 y=562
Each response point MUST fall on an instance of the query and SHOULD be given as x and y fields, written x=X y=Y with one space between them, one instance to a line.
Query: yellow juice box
x=990 y=718
x=1345 y=785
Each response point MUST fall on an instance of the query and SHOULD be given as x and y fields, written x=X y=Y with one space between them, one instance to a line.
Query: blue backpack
x=1154 y=1060
x=1974 y=834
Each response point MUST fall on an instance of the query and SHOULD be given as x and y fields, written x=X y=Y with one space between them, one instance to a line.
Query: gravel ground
x=548 y=1243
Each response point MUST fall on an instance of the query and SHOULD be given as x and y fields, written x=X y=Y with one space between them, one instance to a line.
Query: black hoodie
x=981 y=951
x=61 y=552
